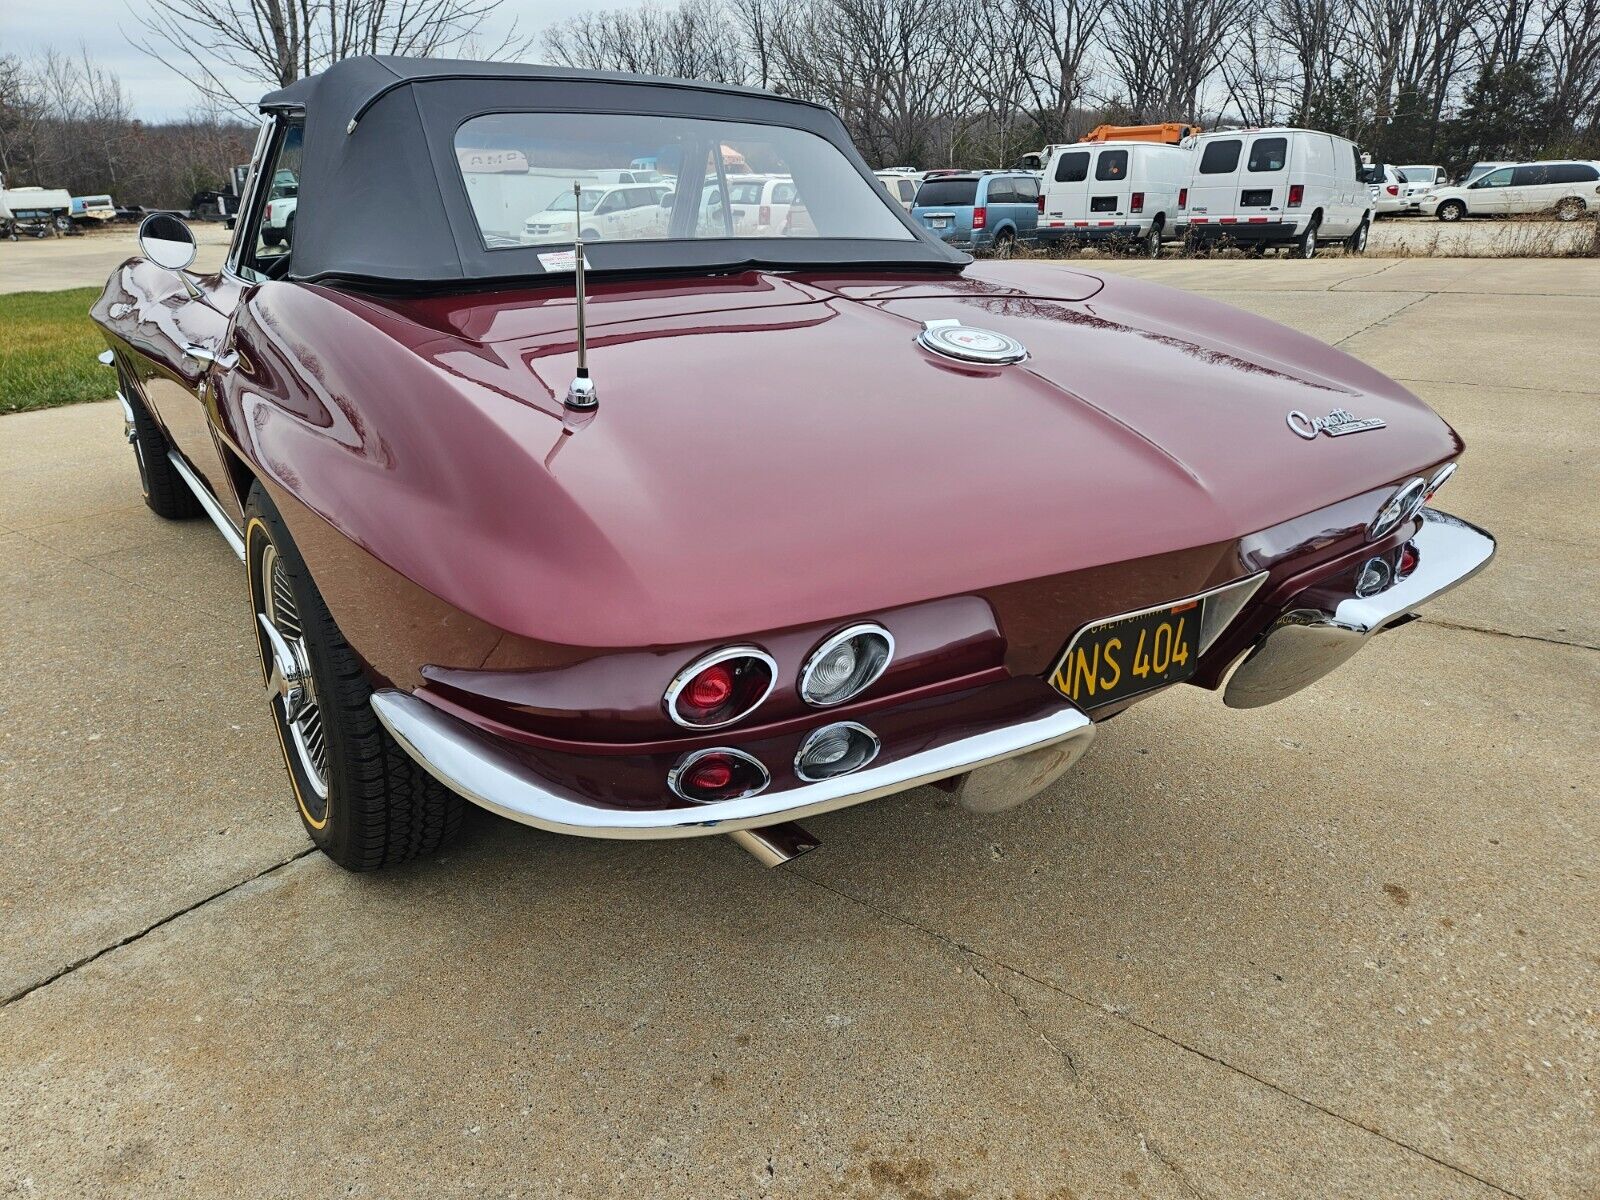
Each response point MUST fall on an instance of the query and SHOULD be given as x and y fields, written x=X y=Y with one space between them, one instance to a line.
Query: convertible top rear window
x=520 y=169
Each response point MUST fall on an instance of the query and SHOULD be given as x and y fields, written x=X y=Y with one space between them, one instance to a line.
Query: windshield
x=1417 y=174
x=517 y=165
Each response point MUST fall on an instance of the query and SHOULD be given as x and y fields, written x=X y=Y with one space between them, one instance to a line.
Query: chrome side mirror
x=166 y=241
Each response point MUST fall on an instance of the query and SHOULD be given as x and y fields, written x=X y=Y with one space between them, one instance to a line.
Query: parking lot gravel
x=1342 y=946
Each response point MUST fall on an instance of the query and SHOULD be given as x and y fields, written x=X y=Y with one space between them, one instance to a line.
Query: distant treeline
x=66 y=123
x=976 y=82
x=919 y=83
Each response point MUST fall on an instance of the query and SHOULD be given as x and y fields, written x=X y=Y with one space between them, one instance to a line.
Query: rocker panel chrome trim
x=220 y=519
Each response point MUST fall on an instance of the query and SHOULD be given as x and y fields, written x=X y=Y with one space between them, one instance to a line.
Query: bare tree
x=1571 y=39
x=1256 y=73
x=216 y=43
x=1313 y=34
x=890 y=68
x=690 y=41
x=1060 y=35
x=1164 y=51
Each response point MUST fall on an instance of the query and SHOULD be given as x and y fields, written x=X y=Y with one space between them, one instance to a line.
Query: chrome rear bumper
x=491 y=775
x=1304 y=644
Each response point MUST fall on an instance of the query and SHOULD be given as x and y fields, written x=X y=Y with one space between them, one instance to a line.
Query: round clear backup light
x=1376 y=574
x=720 y=773
x=1401 y=506
x=720 y=688
x=835 y=750
x=846 y=665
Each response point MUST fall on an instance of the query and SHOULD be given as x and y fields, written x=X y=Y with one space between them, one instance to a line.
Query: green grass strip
x=47 y=351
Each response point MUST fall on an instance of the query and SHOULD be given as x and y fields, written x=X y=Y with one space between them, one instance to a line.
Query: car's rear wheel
x=1358 y=240
x=363 y=800
x=1571 y=208
x=164 y=490
x=1150 y=244
x=1451 y=210
x=1004 y=243
x=1305 y=246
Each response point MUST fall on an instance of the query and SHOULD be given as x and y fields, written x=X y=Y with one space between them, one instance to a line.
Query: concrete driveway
x=49 y=264
x=1343 y=946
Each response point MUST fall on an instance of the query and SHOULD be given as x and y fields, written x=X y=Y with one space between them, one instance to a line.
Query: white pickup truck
x=277 y=219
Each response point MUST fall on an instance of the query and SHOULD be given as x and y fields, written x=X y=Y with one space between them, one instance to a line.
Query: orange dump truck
x=1171 y=133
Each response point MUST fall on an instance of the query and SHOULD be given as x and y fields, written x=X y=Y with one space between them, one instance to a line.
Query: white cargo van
x=1297 y=188
x=1123 y=192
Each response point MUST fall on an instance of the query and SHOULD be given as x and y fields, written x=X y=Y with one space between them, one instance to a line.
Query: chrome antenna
x=581 y=395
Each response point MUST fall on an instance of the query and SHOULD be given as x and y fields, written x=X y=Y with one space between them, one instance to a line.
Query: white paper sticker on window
x=559 y=260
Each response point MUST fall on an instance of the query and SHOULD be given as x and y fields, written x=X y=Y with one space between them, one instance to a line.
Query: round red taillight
x=721 y=687
x=722 y=773
x=710 y=689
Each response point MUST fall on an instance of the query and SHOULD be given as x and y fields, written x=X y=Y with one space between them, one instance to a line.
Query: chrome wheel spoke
x=289 y=685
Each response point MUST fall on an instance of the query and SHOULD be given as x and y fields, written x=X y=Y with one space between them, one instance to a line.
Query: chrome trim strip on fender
x=1304 y=644
x=484 y=772
x=220 y=519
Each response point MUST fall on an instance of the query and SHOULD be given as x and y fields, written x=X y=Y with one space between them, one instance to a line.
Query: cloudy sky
x=109 y=28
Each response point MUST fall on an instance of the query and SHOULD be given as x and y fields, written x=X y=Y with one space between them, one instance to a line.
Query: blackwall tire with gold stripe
x=362 y=799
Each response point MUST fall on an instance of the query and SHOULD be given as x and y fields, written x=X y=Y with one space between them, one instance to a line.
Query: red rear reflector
x=1138 y=202
x=714 y=775
x=1258 y=220
x=1408 y=559
x=1079 y=224
x=980 y=217
x=1297 y=193
x=1183 y=197
x=1230 y=220
x=709 y=775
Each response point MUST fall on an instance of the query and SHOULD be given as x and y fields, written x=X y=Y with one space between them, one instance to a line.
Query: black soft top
x=381 y=199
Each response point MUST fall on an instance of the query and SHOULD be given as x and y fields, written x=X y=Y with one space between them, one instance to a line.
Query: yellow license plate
x=1128 y=655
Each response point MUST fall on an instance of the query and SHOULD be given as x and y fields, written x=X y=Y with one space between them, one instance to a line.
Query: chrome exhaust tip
x=774 y=845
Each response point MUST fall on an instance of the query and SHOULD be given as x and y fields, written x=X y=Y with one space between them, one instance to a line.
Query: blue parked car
x=980 y=211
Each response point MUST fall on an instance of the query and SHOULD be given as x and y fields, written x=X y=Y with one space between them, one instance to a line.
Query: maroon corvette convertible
x=580 y=474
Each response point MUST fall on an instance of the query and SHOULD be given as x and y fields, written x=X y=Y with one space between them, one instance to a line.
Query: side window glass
x=1220 y=158
x=1270 y=154
x=270 y=236
x=1494 y=179
x=1112 y=165
x=1073 y=168
x=1028 y=189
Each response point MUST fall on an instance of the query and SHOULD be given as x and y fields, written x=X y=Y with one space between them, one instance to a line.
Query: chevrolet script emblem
x=1335 y=424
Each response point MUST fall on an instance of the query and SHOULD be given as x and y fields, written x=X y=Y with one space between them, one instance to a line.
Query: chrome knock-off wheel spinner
x=290 y=689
